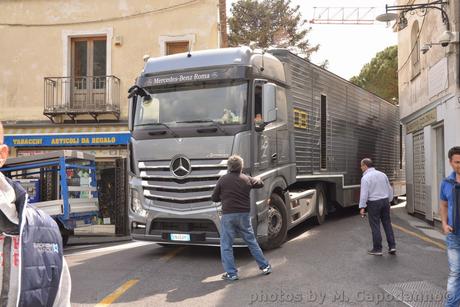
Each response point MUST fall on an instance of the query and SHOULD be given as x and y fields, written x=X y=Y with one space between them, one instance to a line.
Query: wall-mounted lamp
x=403 y=9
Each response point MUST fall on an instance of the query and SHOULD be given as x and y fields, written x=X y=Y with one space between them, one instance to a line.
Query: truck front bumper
x=201 y=228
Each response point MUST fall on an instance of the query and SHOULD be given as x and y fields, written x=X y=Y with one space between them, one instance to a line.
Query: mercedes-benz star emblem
x=180 y=167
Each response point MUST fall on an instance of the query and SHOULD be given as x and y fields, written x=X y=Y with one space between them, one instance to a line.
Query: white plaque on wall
x=437 y=78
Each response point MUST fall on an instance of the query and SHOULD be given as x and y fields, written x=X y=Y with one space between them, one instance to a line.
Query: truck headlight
x=136 y=204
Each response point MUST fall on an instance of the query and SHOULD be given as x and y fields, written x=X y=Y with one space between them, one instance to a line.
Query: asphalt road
x=323 y=265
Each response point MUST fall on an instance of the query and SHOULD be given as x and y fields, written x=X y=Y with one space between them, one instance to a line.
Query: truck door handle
x=275 y=156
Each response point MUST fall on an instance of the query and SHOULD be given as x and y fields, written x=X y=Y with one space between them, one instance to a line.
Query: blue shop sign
x=64 y=140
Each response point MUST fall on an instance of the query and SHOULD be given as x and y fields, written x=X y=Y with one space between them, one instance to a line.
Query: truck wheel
x=321 y=204
x=65 y=239
x=277 y=223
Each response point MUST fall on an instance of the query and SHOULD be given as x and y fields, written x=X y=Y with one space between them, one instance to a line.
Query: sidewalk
x=416 y=225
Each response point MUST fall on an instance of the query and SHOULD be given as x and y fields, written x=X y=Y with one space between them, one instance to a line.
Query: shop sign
x=65 y=140
x=422 y=121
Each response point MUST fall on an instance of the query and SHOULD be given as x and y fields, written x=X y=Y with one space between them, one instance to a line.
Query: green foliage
x=268 y=23
x=380 y=76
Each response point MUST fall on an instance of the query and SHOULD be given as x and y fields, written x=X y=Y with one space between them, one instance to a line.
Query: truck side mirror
x=131 y=110
x=269 y=102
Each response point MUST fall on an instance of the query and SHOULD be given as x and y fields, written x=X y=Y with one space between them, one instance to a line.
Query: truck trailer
x=299 y=127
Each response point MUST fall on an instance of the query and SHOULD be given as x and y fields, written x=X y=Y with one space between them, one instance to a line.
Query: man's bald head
x=1 y=133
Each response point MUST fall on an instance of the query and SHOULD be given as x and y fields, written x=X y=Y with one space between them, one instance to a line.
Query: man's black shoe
x=392 y=251
x=374 y=252
x=229 y=277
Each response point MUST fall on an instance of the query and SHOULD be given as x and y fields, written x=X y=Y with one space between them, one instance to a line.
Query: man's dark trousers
x=379 y=210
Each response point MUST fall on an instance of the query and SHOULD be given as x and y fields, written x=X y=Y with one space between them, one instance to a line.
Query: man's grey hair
x=235 y=164
x=368 y=162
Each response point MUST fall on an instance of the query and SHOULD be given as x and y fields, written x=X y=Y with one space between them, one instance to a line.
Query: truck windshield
x=223 y=103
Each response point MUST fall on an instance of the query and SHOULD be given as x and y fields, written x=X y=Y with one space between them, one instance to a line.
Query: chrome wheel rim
x=275 y=221
x=320 y=204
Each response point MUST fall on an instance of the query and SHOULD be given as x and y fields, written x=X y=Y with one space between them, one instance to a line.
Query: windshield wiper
x=217 y=124
x=161 y=124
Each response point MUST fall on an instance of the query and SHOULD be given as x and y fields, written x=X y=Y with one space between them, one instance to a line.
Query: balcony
x=73 y=97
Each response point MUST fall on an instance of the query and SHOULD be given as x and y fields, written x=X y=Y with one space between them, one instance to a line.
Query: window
x=88 y=71
x=176 y=47
x=281 y=104
x=323 y=136
x=171 y=44
x=225 y=103
x=401 y=149
x=415 y=43
x=258 y=100
x=89 y=56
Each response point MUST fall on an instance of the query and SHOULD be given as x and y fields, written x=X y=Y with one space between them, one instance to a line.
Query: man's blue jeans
x=453 y=281
x=231 y=225
x=379 y=211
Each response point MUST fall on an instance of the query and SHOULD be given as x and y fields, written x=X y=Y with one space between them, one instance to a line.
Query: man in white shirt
x=33 y=271
x=376 y=194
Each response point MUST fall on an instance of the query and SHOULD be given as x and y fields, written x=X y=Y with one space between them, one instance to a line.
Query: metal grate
x=183 y=226
x=416 y=293
x=419 y=173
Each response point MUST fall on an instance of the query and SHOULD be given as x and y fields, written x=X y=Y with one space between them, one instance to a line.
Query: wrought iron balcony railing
x=83 y=95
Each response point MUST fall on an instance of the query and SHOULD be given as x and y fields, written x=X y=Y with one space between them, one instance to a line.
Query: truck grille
x=189 y=192
x=178 y=225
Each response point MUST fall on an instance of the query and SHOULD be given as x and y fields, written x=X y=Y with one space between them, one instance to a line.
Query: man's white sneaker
x=267 y=270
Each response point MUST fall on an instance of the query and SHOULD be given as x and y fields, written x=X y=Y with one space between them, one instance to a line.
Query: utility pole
x=223 y=24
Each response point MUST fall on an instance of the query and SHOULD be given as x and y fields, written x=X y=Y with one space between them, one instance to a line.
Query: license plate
x=179 y=237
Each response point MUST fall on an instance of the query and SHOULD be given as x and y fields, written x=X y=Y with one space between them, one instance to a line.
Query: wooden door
x=88 y=75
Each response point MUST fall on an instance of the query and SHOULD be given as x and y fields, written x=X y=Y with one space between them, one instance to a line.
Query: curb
x=83 y=240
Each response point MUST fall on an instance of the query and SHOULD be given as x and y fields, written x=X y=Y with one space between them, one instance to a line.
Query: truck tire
x=65 y=233
x=65 y=239
x=321 y=204
x=277 y=223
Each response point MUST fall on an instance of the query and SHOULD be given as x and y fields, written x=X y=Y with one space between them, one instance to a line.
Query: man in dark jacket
x=232 y=190
x=34 y=271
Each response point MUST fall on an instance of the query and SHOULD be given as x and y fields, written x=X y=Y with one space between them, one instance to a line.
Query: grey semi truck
x=299 y=127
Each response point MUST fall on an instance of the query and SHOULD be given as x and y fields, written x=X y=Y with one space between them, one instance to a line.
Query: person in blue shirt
x=448 y=210
x=376 y=194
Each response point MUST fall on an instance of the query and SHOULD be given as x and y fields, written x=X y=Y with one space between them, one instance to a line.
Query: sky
x=347 y=47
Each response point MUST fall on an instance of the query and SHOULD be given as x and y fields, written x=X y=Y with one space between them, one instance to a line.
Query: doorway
x=88 y=73
x=419 y=173
x=440 y=169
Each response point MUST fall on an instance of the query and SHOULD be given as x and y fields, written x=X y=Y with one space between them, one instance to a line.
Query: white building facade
x=429 y=98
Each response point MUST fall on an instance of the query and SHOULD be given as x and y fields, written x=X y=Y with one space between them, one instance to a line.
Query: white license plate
x=179 y=237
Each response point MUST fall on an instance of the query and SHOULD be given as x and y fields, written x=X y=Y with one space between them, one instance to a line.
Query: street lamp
x=422 y=7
